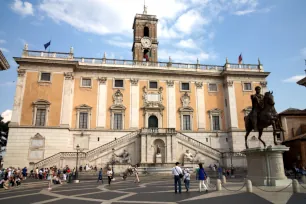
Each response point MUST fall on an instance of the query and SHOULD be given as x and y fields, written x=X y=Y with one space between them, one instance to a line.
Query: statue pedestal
x=266 y=167
x=158 y=158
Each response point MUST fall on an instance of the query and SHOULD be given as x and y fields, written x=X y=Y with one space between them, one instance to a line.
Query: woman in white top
x=109 y=175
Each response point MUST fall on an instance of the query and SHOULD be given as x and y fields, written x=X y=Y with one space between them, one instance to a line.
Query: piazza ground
x=151 y=189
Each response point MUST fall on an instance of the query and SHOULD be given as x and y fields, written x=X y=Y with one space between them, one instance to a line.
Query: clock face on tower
x=146 y=42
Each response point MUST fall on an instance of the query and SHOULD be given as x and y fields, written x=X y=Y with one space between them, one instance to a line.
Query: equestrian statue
x=263 y=115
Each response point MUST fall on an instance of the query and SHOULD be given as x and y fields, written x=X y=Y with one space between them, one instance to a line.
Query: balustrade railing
x=104 y=61
x=157 y=131
x=198 y=144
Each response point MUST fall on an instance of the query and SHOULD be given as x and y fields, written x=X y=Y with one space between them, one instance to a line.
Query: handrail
x=89 y=153
x=200 y=144
x=112 y=143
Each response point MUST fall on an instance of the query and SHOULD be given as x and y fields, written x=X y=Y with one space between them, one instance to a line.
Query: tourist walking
x=109 y=175
x=136 y=174
x=100 y=176
x=178 y=174
x=187 y=179
x=220 y=172
x=202 y=178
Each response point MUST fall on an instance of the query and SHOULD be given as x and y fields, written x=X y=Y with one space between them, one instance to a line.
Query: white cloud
x=244 y=12
x=22 y=8
x=2 y=41
x=7 y=115
x=189 y=43
x=294 y=79
x=106 y=16
x=189 y=21
x=4 y=49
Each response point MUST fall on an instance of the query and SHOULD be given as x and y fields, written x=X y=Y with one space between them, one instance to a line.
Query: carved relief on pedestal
x=102 y=80
x=69 y=75
x=199 y=84
x=36 y=151
x=134 y=82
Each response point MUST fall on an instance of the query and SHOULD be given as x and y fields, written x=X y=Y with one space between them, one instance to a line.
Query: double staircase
x=93 y=154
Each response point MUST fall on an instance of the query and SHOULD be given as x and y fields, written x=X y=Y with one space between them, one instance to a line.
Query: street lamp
x=76 y=168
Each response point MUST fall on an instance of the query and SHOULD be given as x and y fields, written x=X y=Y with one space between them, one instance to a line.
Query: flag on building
x=47 y=44
x=240 y=59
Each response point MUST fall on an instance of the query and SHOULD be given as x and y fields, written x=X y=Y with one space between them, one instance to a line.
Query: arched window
x=146 y=32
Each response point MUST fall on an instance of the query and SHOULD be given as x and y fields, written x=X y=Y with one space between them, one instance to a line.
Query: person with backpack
x=178 y=175
x=202 y=177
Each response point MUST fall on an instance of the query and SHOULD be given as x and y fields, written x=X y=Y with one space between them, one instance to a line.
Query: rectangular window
x=45 y=76
x=153 y=84
x=117 y=121
x=213 y=87
x=226 y=139
x=86 y=82
x=118 y=83
x=185 y=87
x=278 y=136
x=206 y=139
x=40 y=117
x=216 y=122
x=83 y=120
x=186 y=122
x=247 y=87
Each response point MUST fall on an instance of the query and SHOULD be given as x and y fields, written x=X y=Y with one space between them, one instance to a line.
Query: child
x=187 y=179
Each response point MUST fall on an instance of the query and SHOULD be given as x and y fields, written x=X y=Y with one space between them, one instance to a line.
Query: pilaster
x=200 y=105
x=231 y=105
x=67 y=100
x=134 y=104
x=102 y=100
x=18 y=99
x=171 y=123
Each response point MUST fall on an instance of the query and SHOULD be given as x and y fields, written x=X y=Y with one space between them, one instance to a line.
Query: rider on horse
x=257 y=106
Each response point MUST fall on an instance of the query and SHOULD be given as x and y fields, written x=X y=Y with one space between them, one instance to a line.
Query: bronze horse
x=267 y=117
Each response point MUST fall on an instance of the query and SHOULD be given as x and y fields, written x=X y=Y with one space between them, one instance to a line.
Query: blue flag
x=47 y=44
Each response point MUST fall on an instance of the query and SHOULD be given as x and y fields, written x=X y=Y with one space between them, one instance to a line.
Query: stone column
x=200 y=105
x=67 y=100
x=134 y=104
x=18 y=100
x=143 y=144
x=171 y=100
x=102 y=100
x=231 y=105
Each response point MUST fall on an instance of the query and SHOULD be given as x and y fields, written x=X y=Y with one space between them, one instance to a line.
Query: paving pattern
x=151 y=190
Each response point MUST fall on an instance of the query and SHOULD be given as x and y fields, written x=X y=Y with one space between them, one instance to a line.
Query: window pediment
x=83 y=107
x=117 y=107
x=186 y=109
x=41 y=102
x=215 y=111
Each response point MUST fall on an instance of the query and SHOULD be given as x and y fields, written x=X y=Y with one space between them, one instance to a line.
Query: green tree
x=4 y=128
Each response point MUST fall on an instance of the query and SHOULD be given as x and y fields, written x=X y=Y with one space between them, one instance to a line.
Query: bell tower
x=145 y=42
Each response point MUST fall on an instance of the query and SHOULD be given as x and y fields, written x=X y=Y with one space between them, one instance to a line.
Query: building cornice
x=4 y=65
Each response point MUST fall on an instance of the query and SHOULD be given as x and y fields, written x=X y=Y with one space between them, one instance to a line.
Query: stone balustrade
x=133 y=63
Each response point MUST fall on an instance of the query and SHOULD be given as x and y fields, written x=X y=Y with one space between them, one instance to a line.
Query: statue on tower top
x=145 y=8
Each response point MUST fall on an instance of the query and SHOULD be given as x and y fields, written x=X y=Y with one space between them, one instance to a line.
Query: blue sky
x=211 y=30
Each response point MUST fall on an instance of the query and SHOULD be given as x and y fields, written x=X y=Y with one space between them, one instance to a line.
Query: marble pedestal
x=158 y=158
x=266 y=167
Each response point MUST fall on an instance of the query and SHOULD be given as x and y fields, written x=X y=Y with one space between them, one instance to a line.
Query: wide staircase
x=56 y=159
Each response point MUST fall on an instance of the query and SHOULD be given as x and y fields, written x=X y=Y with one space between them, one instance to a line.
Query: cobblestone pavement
x=151 y=190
